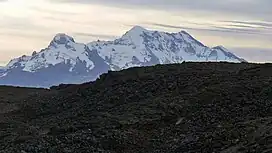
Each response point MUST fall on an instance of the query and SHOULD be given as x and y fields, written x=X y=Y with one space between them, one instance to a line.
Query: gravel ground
x=178 y=108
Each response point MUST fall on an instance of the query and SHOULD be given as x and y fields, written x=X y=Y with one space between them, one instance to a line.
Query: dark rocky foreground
x=182 y=108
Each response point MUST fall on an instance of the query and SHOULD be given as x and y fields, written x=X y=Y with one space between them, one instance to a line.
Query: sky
x=243 y=26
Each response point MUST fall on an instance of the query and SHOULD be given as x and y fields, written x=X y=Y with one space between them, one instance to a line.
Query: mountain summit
x=66 y=61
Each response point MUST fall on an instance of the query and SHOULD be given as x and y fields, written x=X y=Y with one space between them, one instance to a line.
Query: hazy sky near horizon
x=245 y=26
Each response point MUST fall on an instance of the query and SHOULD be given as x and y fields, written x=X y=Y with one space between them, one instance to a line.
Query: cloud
x=241 y=26
x=232 y=23
x=19 y=23
x=50 y=11
x=96 y=36
x=262 y=24
x=259 y=55
x=240 y=29
x=257 y=8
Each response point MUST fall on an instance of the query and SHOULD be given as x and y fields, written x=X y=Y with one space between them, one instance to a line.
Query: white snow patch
x=3 y=75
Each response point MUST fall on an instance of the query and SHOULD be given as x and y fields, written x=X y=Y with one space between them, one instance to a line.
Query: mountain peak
x=136 y=30
x=134 y=34
x=62 y=38
x=220 y=48
x=184 y=32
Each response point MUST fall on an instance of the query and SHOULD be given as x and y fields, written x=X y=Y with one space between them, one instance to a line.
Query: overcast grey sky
x=245 y=26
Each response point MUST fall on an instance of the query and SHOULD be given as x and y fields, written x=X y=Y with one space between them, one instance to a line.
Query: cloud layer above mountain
x=260 y=8
x=27 y=25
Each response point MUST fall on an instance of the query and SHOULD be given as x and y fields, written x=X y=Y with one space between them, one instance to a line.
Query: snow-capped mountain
x=2 y=70
x=65 y=61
